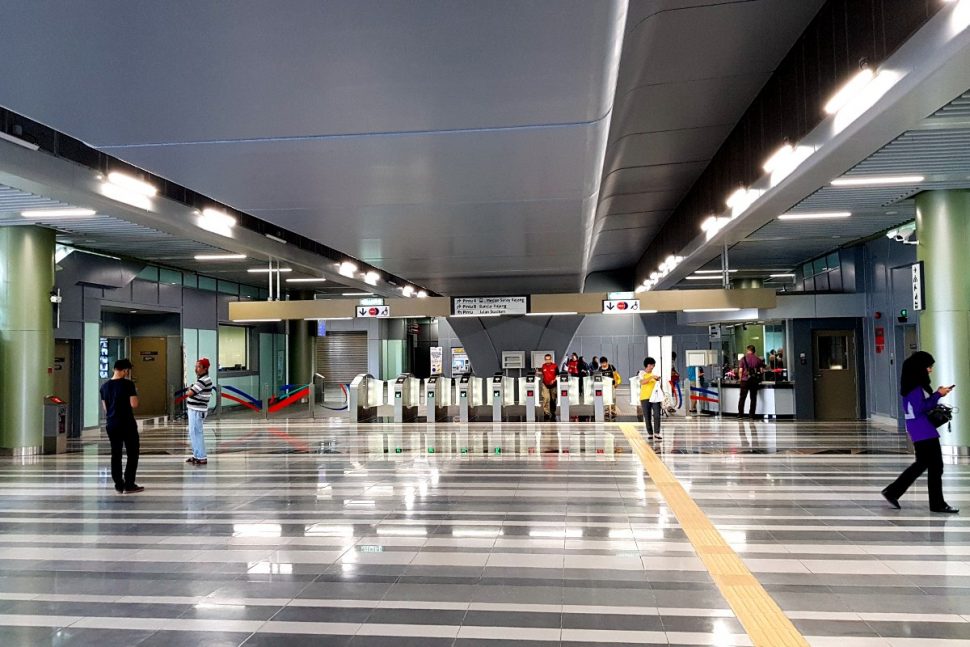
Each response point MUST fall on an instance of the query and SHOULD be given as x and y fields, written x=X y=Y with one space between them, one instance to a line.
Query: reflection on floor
x=327 y=534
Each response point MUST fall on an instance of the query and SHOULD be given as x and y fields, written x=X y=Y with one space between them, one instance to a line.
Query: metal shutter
x=341 y=356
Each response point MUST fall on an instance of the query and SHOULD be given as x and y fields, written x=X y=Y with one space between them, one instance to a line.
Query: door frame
x=852 y=354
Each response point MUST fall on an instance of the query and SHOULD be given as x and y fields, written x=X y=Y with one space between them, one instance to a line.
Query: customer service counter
x=775 y=399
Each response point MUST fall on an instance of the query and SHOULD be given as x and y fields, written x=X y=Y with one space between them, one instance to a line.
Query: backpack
x=617 y=378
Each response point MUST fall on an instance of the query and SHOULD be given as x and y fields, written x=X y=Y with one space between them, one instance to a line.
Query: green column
x=300 y=345
x=26 y=335
x=943 y=229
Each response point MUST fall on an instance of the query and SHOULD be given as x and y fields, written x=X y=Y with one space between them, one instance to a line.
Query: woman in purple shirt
x=918 y=398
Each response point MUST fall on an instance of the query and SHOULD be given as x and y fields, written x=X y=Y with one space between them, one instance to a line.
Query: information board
x=381 y=312
x=482 y=306
x=621 y=306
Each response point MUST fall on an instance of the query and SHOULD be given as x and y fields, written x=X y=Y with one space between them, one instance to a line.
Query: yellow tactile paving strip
x=758 y=613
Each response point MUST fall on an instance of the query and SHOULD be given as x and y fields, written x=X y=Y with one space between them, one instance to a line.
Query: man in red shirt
x=549 y=375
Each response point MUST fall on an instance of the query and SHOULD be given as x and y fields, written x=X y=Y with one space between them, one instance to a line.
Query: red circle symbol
x=621 y=305
x=373 y=312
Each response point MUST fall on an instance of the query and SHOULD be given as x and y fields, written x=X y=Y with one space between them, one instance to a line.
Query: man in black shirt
x=119 y=399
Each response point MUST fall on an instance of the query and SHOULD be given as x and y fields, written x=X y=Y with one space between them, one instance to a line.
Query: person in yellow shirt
x=651 y=397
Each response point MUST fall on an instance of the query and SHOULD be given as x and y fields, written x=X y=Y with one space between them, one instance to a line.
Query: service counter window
x=233 y=348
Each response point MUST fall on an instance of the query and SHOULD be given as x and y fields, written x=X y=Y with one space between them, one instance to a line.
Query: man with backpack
x=608 y=371
x=750 y=372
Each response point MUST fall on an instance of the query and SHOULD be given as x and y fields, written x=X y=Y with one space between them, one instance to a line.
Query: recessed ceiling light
x=220 y=257
x=422 y=294
x=781 y=276
x=371 y=278
x=814 y=216
x=275 y=238
x=58 y=213
x=876 y=180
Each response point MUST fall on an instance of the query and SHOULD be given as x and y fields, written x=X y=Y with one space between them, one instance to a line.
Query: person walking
x=119 y=399
x=749 y=370
x=608 y=371
x=198 y=406
x=549 y=374
x=651 y=398
x=918 y=398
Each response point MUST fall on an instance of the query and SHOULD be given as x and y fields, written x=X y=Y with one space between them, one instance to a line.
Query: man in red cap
x=198 y=406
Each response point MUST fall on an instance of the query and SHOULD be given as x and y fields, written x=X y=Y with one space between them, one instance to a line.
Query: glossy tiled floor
x=305 y=533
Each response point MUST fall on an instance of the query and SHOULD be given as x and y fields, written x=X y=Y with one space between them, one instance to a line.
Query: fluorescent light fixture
x=778 y=158
x=547 y=314
x=218 y=216
x=704 y=277
x=371 y=278
x=711 y=309
x=123 y=194
x=422 y=294
x=220 y=257
x=960 y=18
x=781 y=276
x=402 y=531
x=266 y=270
x=18 y=141
x=714 y=271
x=327 y=318
x=877 y=180
x=347 y=269
x=865 y=98
x=358 y=294
x=275 y=238
x=740 y=200
x=849 y=91
x=305 y=280
x=648 y=312
x=58 y=213
x=481 y=316
x=255 y=320
x=126 y=181
x=785 y=160
x=815 y=216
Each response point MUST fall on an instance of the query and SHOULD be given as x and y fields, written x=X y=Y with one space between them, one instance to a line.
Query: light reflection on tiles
x=551 y=535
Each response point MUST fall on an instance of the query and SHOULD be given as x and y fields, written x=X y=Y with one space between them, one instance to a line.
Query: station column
x=301 y=347
x=26 y=336
x=943 y=228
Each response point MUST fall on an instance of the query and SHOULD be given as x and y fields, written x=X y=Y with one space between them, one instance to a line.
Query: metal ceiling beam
x=43 y=174
x=934 y=65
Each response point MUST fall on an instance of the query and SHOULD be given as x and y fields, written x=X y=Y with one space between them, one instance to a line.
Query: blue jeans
x=196 y=434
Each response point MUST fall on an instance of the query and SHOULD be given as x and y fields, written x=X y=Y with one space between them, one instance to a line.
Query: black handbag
x=940 y=415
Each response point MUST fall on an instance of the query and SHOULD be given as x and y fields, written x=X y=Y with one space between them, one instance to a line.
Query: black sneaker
x=191 y=459
x=891 y=500
x=120 y=489
x=134 y=489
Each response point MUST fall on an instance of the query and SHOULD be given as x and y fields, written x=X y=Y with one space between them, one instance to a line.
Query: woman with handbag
x=918 y=401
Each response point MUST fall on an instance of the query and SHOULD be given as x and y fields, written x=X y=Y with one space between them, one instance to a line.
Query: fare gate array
x=470 y=398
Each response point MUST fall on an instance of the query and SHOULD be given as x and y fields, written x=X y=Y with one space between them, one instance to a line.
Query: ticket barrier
x=603 y=396
x=564 y=397
x=406 y=390
x=438 y=396
x=529 y=397
x=500 y=397
x=472 y=403
x=366 y=395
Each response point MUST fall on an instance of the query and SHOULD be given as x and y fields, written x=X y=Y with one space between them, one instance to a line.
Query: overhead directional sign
x=380 y=312
x=621 y=306
x=489 y=306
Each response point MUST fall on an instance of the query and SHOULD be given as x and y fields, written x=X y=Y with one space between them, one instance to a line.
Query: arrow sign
x=381 y=312
x=621 y=306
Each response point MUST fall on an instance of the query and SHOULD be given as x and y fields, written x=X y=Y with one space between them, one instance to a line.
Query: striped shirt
x=200 y=392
